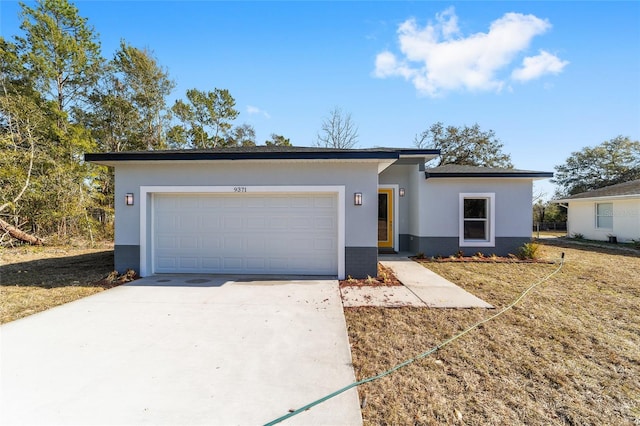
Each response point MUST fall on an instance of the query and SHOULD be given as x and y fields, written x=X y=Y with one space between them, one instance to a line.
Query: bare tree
x=338 y=131
x=21 y=118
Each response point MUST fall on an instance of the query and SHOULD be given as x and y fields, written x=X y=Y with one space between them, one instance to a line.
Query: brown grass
x=33 y=279
x=567 y=354
x=549 y=234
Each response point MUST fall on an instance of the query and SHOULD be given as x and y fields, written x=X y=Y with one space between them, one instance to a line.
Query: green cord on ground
x=420 y=356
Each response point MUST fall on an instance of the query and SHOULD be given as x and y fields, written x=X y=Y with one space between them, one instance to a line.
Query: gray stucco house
x=309 y=211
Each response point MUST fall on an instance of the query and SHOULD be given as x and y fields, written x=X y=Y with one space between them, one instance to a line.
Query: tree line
x=60 y=98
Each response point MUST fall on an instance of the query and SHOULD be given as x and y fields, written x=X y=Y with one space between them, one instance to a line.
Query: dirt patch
x=33 y=279
x=385 y=278
x=567 y=354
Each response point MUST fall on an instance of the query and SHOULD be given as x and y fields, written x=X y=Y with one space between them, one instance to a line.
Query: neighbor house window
x=604 y=215
x=477 y=220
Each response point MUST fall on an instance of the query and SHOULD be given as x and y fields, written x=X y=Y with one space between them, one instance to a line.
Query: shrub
x=529 y=251
x=577 y=236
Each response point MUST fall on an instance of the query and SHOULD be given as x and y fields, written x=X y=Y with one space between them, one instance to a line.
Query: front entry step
x=385 y=250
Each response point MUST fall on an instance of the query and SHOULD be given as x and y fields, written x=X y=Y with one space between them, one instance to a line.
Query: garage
x=243 y=233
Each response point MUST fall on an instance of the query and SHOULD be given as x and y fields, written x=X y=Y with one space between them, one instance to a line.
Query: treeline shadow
x=84 y=270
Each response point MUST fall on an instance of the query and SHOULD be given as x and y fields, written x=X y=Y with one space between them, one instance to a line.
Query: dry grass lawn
x=567 y=354
x=33 y=279
x=549 y=234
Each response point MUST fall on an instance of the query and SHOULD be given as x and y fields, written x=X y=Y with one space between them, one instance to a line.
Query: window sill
x=476 y=243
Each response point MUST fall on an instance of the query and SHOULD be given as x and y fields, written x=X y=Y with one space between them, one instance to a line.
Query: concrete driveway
x=182 y=350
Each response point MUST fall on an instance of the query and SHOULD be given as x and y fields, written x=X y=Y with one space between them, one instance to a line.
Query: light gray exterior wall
x=355 y=176
x=429 y=215
x=401 y=175
x=440 y=214
x=440 y=206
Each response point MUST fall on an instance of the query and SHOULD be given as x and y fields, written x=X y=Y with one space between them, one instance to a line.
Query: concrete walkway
x=183 y=350
x=422 y=288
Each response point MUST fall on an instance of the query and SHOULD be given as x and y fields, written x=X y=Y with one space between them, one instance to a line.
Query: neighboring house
x=309 y=211
x=612 y=211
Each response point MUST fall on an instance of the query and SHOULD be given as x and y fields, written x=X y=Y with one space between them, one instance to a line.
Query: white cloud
x=536 y=66
x=251 y=110
x=437 y=58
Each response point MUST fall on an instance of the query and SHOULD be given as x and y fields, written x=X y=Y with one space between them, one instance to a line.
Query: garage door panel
x=165 y=242
x=277 y=223
x=323 y=244
x=256 y=263
x=301 y=222
x=324 y=223
x=301 y=203
x=232 y=222
x=327 y=203
x=232 y=244
x=211 y=263
x=256 y=223
x=163 y=262
x=211 y=243
x=231 y=202
x=188 y=243
x=211 y=203
x=278 y=202
x=168 y=222
x=188 y=262
x=188 y=203
x=246 y=233
x=255 y=203
x=188 y=223
x=232 y=263
x=210 y=223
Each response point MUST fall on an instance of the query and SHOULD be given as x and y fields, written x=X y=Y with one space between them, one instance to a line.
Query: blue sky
x=548 y=77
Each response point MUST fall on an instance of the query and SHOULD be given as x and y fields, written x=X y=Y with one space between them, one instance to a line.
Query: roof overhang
x=384 y=156
x=597 y=199
x=514 y=175
x=417 y=157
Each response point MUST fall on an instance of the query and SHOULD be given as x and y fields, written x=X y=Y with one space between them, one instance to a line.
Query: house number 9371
x=239 y=189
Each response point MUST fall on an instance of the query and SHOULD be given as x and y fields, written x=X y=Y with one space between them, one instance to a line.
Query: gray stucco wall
x=361 y=262
x=401 y=175
x=440 y=205
x=447 y=246
x=355 y=176
x=126 y=257
x=434 y=217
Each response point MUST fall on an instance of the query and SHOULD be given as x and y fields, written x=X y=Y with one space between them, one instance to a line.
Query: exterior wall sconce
x=402 y=192
x=128 y=199
x=357 y=198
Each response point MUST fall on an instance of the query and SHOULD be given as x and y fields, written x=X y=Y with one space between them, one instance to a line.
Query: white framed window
x=604 y=215
x=477 y=220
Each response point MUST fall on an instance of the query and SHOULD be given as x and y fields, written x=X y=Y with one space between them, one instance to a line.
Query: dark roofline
x=523 y=174
x=308 y=154
x=619 y=190
x=454 y=171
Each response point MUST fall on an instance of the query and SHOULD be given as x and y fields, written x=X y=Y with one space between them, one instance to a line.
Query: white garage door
x=245 y=233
